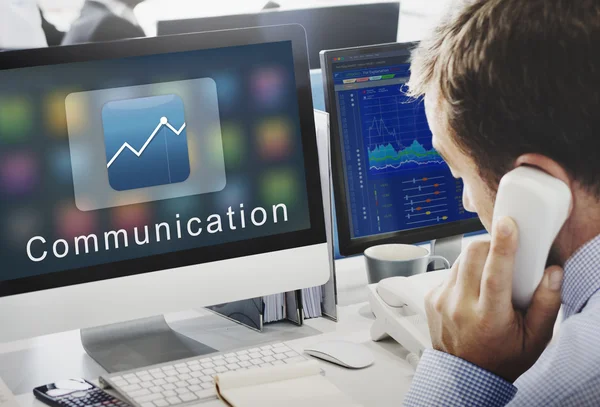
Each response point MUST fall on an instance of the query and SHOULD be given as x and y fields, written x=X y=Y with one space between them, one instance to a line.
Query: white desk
x=38 y=361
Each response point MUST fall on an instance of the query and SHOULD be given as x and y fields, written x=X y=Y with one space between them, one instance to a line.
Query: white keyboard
x=190 y=381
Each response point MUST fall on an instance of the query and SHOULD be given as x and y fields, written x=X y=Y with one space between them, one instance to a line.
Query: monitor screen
x=394 y=179
x=110 y=160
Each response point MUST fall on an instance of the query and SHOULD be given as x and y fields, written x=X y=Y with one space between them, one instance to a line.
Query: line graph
x=397 y=133
x=139 y=152
x=163 y=122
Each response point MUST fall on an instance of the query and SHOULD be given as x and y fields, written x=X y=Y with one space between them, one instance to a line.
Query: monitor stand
x=448 y=247
x=135 y=344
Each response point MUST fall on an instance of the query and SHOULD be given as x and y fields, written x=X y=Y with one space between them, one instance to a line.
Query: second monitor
x=390 y=184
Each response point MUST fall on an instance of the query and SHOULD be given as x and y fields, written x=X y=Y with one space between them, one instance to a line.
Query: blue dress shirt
x=566 y=374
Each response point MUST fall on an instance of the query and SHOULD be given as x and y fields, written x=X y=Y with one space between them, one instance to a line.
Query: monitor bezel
x=347 y=245
x=293 y=33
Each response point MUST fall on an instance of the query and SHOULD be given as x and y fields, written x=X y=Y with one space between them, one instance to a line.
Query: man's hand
x=471 y=315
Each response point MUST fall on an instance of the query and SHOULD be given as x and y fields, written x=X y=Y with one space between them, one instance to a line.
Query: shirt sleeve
x=445 y=380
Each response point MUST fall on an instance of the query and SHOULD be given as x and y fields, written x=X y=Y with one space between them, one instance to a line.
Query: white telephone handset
x=536 y=201
x=539 y=204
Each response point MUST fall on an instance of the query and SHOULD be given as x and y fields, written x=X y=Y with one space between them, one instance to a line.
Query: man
x=20 y=25
x=105 y=20
x=509 y=83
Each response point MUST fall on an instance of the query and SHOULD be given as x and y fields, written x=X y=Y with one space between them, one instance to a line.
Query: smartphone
x=76 y=393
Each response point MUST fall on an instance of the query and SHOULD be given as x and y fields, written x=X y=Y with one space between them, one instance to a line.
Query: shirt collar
x=582 y=277
x=120 y=9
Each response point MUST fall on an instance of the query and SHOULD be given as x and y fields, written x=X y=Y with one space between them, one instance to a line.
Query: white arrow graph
x=163 y=122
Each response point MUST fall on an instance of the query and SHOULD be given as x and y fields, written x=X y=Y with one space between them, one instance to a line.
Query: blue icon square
x=146 y=142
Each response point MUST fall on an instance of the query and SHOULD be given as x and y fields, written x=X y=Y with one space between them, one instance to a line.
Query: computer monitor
x=326 y=27
x=390 y=184
x=148 y=176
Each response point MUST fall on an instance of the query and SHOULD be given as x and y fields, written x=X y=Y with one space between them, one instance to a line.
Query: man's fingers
x=496 y=282
x=541 y=314
x=471 y=268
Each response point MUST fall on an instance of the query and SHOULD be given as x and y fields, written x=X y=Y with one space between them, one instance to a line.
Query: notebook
x=294 y=385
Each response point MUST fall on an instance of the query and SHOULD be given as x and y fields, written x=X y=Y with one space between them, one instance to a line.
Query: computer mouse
x=342 y=353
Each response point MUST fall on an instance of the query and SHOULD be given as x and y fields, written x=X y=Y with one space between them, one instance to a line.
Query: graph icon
x=146 y=143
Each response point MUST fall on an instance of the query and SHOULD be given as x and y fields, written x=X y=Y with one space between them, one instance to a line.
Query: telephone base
x=405 y=320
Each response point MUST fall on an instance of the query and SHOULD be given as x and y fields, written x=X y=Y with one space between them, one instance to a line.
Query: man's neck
x=582 y=226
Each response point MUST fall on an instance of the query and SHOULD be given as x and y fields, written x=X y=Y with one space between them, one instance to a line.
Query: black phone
x=76 y=393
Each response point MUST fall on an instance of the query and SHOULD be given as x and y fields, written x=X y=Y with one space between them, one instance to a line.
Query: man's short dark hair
x=516 y=77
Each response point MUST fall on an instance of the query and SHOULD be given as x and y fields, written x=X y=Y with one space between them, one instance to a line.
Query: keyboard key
x=159 y=382
x=183 y=370
x=256 y=362
x=280 y=356
x=149 y=404
x=267 y=353
x=207 y=393
x=131 y=387
x=179 y=365
x=148 y=384
x=208 y=372
x=156 y=389
x=155 y=370
x=150 y=397
x=172 y=379
x=171 y=373
x=232 y=360
x=158 y=375
x=291 y=354
x=229 y=355
x=253 y=350
x=220 y=362
x=169 y=393
x=194 y=381
x=194 y=387
x=207 y=379
x=280 y=350
x=197 y=374
x=138 y=393
x=234 y=366
x=133 y=380
x=188 y=397
x=167 y=368
x=182 y=391
x=278 y=362
x=242 y=352
x=245 y=363
x=218 y=357
x=221 y=369
x=266 y=347
x=244 y=357
x=269 y=359
x=161 y=403
x=120 y=383
x=141 y=373
x=129 y=376
x=117 y=378
x=184 y=376
x=208 y=365
x=195 y=368
x=204 y=360
x=255 y=355
x=169 y=386
x=181 y=384
x=208 y=385
x=174 y=400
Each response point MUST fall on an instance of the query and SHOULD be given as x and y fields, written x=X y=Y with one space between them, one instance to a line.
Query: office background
x=416 y=15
